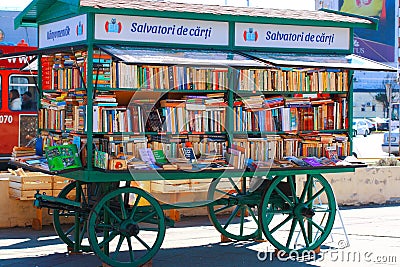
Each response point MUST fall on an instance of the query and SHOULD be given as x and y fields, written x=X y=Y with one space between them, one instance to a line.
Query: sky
x=18 y=5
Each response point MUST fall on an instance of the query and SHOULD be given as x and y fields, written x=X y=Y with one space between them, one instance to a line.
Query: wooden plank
x=30 y=186
x=26 y=195
x=165 y=187
x=43 y=178
x=60 y=182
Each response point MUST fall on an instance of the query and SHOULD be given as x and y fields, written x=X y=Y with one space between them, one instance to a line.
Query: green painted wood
x=102 y=176
x=229 y=206
x=292 y=216
x=112 y=223
x=70 y=233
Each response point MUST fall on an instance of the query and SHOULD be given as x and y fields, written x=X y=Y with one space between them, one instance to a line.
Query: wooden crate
x=26 y=194
x=163 y=186
x=59 y=182
x=200 y=185
x=24 y=187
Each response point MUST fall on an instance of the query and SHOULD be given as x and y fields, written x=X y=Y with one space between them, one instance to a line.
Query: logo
x=79 y=29
x=113 y=26
x=361 y=3
x=250 y=35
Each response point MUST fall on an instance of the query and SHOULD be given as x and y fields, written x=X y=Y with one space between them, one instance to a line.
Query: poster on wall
x=376 y=45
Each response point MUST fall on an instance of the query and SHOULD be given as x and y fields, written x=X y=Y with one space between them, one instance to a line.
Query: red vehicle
x=18 y=115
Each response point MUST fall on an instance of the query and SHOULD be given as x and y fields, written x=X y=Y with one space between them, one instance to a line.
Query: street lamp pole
x=389 y=98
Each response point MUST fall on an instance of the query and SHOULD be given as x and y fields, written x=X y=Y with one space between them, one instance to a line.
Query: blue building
x=10 y=36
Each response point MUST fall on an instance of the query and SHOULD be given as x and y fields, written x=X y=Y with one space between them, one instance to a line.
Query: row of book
x=63 y=71
x=63 y=111
x=289 y=79
x=168 y=77
x=194 y=114
x=290 y=114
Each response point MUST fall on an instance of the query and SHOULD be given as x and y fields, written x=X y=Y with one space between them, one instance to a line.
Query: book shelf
x=265 y=112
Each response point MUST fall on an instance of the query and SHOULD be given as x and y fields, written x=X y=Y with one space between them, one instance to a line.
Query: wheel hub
x=129 y=228
x=302 y=210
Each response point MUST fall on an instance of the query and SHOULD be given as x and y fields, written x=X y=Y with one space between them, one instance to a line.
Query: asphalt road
x=373 y=235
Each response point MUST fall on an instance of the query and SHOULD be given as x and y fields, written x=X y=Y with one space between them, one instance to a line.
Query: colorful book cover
x=63 y=157
x=159 y=156
x=312 y=161
x=188 y=152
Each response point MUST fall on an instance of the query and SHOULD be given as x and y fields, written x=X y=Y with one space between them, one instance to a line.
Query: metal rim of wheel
x=67 y=235
x=237 y=226
x=122 y=221
x=300 y=223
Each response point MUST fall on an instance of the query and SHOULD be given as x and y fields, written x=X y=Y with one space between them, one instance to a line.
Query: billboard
x=376 y=45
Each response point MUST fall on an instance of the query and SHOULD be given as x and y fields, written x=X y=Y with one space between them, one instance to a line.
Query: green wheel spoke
x=293 y=189
x=252 y=214
x=291 y=232
x=104 y=226
x=107 y=208
x=72 y=228
x=278 y=212
x=289 y=217
x=147 y=216
x=305 y=189
x=108 y=239
x=234 y=185
x=310 y=200
x=222 y=209
x=82 y=234
x=319 y=227
x=135 y=205
x=223 y=192
x=122 y=204
x=242 y=209
x=142 y=242
x=284 y=196
x=231 y=217
x=303 y=231
x=131 y=253
x=121 y=239
x=113 y=244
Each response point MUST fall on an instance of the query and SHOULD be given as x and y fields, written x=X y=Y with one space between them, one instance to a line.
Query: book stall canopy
x=133 y=55
x=352 y=62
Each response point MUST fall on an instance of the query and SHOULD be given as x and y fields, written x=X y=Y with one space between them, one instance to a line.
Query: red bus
x=18 y=114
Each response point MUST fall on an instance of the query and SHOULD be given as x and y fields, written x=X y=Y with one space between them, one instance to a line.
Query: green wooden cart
x=125 y=226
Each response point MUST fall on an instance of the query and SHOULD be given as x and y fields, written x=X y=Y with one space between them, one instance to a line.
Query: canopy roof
x=41 y=10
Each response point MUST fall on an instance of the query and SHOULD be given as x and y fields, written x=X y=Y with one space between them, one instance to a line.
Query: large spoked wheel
x=232 y=209
x=70 y=225
x=297 y=217
x=126 y=227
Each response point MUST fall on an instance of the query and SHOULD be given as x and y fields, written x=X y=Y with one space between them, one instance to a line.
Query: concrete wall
x=364 y=186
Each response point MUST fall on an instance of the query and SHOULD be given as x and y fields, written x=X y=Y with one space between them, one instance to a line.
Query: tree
x=383 y=97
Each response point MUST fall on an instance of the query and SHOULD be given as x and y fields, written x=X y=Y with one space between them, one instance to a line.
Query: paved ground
x=374 y=235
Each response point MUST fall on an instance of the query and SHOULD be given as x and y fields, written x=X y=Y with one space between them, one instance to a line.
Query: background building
x=381 y=45
x=10 y=36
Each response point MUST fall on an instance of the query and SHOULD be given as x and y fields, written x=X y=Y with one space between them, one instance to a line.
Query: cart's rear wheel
x=298 y=216
x=64 y=220
x=232 y=208
x=126 y=227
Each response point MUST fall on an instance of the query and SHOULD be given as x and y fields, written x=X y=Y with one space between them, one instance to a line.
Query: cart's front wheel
x=298 y=216
x=70 y=225
x=126 y=227
x=232 y=208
